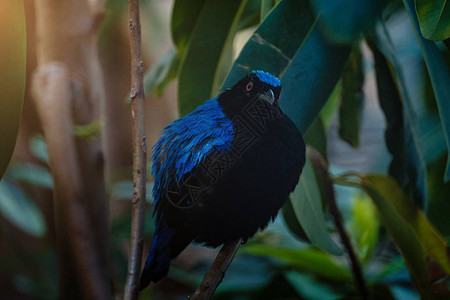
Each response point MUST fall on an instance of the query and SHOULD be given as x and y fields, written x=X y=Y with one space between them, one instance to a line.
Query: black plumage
x=230 y=190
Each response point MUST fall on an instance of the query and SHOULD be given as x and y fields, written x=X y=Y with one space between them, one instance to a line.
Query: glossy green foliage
x=439 y=72
x=292 y=222
x=204 y=50
x=352 y=98
x=12 y=75
x=415 y=237
x=438 y=204
x=269 y=50
x=308 y=287
x=312 y=260
x=310 y=193
x=434 y=18
x=346 y=20
x=305 y=201
x=184 y=17
x=308 y=65
x=391 y=105
x=414 y=171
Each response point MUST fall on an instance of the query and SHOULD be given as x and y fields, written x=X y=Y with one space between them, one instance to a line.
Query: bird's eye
x=249 y=86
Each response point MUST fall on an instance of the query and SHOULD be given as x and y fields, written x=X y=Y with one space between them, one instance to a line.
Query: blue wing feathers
x=159 y=258
x=186 y=142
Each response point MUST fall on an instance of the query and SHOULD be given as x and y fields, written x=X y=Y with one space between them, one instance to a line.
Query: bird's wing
x=185 y=143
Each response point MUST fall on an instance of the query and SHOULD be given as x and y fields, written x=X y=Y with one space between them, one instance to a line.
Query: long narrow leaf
x=276 y=41
x=307 y=205
x=416 y=166
x=346 y=20
x=290 y=44
x=352 y=97
x=439 y=72
x=184 y=18
x=391 y=104
x=208 y=44
x=313 y=260
x=413 y=234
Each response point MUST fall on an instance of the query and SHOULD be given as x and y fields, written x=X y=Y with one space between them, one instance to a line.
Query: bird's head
x=255 y=86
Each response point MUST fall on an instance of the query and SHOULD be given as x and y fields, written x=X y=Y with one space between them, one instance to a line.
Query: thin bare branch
x=139 y=154
x=213 y=277
x=321 y=168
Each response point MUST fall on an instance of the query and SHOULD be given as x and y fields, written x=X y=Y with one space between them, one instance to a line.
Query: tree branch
x=321 y=168
x=139 y=154
x=213 y=277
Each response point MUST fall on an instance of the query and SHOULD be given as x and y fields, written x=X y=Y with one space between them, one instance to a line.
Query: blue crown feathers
x=267 y=78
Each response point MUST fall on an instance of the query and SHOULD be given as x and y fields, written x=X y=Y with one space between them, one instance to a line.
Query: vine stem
x=321 y=168
x=139 y=154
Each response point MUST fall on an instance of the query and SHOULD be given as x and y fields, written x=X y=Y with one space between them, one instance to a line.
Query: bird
x=222 y=172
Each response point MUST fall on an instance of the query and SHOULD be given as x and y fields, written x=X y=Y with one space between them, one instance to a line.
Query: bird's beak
x=268 y=96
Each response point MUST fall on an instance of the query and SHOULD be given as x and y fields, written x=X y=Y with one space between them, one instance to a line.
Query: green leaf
x=311 y=260
x=307 y=205
x=292 y=223
x=328 y=111
x=276 y=41
x=251 y=15
x=31 y=173
x=434 y=18
x=39 y=148
x=209 y=44
x=266 y=6
x=364 y=225
x=316 y=137
x=438 y=191
x=439 y=72
x=415 y=171
x=352 y=98
x=391 y=104
x=89 y=131
x=184 y=18
x=394 y=266
x=312 y=77
x=309 y=288
x=290 y=45
x=12 y=75
x=16 y=207
x=161 y=73
x=346 y=20
x=414 y=236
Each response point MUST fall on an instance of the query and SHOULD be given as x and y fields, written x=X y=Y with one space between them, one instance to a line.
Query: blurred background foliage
x=367 y=82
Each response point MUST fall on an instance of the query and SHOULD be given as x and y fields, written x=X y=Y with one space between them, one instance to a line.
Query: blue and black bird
x=223 y=171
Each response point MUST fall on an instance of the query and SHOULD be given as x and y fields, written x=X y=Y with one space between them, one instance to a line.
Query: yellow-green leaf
x=12 y=75
x=434 y=18
x=312 y=260
x=413 y=234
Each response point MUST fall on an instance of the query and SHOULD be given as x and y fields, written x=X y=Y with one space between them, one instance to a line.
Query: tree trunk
x=68 y=90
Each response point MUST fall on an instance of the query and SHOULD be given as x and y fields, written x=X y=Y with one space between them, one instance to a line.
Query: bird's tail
x=167 y=244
